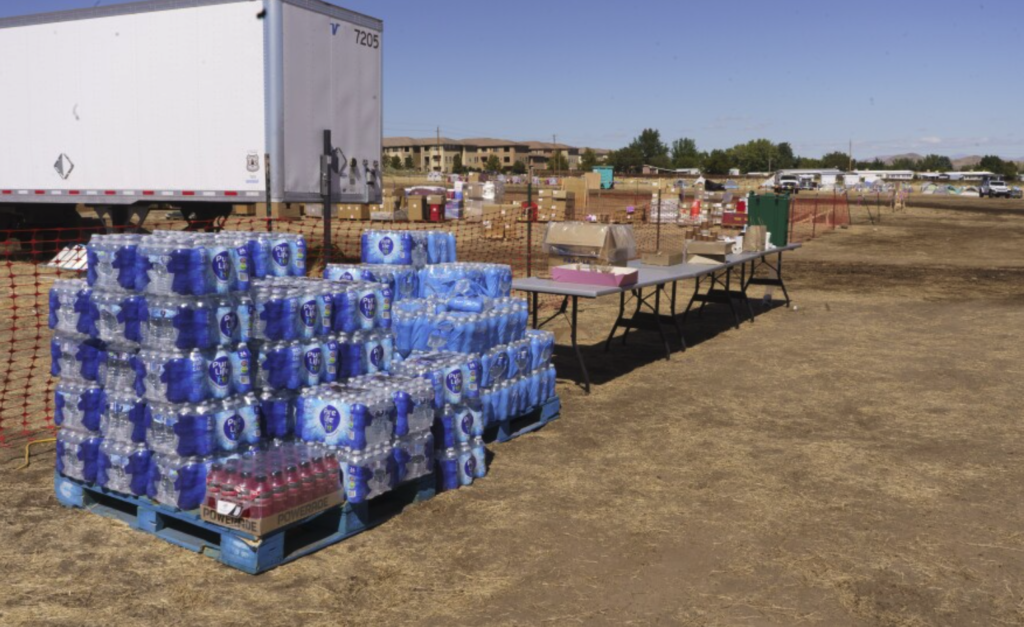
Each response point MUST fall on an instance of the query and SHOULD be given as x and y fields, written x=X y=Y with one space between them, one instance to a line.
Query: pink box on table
x=617 y=277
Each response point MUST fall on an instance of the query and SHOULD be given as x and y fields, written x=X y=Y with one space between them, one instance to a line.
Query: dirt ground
x=857 y=459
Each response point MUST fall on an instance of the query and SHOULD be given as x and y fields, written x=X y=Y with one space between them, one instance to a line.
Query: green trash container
x=772 y=211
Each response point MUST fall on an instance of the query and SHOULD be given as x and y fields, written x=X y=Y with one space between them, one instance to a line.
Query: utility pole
x=851 y=157
x=440 y=156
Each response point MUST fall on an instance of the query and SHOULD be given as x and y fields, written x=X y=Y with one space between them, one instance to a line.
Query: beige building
x=431 y=154
x=541 y=153
x=478 y=150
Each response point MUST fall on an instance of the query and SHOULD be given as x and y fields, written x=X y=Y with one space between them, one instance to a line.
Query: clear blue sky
x=894 y=76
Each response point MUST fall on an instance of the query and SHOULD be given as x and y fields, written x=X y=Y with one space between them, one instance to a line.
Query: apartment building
x=435 y=154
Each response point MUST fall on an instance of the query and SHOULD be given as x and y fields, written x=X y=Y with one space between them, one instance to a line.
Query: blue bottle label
x=454 y=382
x=377 y=357
x=330 y=419
x=308 y=313
x=221 y=264
x=281 y=255
x=313 y=360
x=233 y=427
x=368 y=306
x=386 y=245
x=220 y=372
x=228 y=324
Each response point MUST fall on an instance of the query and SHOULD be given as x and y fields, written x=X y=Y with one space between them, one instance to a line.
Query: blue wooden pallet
x=235 y=548
x=514 y=427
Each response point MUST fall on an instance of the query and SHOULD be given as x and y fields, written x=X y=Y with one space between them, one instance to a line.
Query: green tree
x=588 y=160
x=996 y=165
x=904 y=163
x=685 y=154
x=786 y=158
x=718 y=162
x=649 y=146
x=409 y=165
x=396 y=163
x=558 y=162
x=493 y=164
x=457 y=166
x=874 y=164
x=934 y=163
x=758 y=155
x=628 y=159
x=518 y=168
x=836 y=159
x=808 y=163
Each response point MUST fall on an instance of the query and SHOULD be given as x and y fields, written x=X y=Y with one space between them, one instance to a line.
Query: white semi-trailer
x=197 y=104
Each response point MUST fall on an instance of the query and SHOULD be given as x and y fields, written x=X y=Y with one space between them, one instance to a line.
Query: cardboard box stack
x=555 y=205
x=278 y=210
x=580 y=188
x=499 y=220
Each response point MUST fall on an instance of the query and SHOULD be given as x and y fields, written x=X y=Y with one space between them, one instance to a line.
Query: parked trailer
x=198 y=104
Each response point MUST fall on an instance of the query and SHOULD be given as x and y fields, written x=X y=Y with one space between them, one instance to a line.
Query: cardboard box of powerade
x=436 y=199
x=584 y=242
x=267 y=524
x=662 y=258
x=734 y=218
x=243 y=210
x=707 y=252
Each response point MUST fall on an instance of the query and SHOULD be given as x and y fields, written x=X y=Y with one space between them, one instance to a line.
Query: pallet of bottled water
x=208 y=387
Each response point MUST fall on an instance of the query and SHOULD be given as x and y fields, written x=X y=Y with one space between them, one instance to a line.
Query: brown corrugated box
x=418 y=208
x=580 y=189
x=569 y=242
x=278 y=210
x=663 y=258
x=707 y=252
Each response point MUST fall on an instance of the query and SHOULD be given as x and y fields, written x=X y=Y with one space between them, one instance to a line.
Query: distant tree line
x=763 y=155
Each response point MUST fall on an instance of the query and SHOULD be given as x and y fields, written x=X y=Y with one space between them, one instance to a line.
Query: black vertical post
x=266 y=171
x=529 y=230
x=327 y=165
x=657 y=229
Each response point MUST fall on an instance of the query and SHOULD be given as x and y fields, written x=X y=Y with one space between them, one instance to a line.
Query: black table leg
x=743 y=288
x=778 y=273
x=639 y=296
x=575 y=347
x=728 y=292
x=696 y=292
x=618 y=321
x=675 y=317
x=657 y=320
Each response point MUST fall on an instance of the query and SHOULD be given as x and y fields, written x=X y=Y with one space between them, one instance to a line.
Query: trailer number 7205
x=368 y=39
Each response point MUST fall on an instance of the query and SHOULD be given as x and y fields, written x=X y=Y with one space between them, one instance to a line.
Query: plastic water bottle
x=280 y=256
x=178 y=481
x=79 y=405
x=175 y=376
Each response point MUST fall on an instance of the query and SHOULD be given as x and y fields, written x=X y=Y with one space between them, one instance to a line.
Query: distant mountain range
x=958 y=162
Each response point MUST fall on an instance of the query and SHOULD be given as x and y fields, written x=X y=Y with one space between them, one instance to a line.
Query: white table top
x=648 y=276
